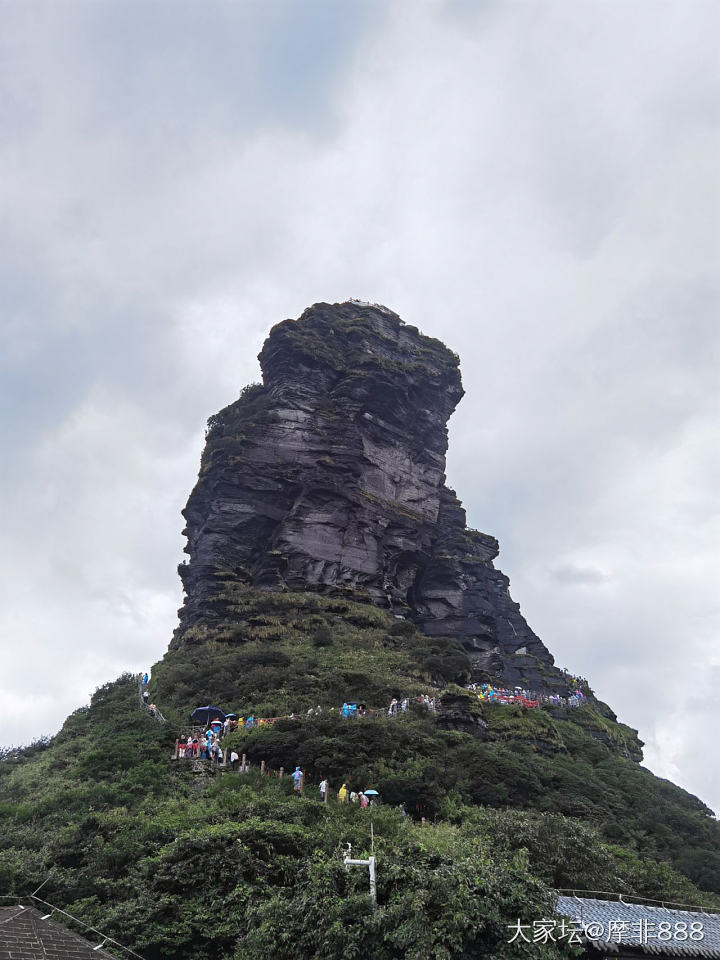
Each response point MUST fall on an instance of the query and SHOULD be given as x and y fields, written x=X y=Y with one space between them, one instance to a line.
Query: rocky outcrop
x=330 y=476
x=458 y=711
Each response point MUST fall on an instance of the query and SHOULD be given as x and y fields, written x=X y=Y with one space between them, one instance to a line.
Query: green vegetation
x=189 y=861
x=287 y=652
x=276 y=653
x=184 y=865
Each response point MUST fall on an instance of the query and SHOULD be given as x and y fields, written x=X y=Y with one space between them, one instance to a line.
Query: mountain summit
x=337 y=611
x=330 y=477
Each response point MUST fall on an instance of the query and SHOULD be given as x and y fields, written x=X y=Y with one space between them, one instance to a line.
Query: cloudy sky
x=534 y=182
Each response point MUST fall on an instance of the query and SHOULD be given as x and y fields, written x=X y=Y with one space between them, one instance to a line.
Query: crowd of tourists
x=204 y=746
x=350 y=709
x=207 y=746
x=394 y=708
x=575 y=699
x=205 y=743
x=526 y=698
x=364 y=798
x=345 y=795
x=486 y=691
x=572 y=680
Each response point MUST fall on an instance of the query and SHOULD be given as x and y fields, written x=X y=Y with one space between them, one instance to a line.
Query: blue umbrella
x=206 y=714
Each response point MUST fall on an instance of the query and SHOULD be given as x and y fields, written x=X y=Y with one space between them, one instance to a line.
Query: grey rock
x=456 y=713
x=330 y=477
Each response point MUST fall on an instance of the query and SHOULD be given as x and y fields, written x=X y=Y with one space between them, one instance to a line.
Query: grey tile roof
x=25 y=936
x=611 y=924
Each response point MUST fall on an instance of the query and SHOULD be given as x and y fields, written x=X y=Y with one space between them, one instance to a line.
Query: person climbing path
x=298 y=778
x=144 y=696
x=204 y=744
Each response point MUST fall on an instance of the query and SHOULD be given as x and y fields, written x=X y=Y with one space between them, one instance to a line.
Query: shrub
x=323 y=636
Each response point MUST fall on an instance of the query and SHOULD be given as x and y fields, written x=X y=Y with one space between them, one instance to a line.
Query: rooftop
x=633 y=929
x=24 y=935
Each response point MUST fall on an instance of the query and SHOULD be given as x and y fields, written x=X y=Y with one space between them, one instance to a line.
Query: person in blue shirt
x=298 y=780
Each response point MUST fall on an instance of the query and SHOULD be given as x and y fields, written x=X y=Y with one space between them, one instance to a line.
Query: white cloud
x=535 y=188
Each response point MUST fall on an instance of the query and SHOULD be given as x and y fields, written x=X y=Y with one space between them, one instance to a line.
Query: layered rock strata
x=330 y=477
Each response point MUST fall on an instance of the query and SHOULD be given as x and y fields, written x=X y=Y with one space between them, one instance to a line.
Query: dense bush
x=186 y=866
x=578 y=766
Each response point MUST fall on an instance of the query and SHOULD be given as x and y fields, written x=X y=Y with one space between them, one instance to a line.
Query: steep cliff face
x=330 y=477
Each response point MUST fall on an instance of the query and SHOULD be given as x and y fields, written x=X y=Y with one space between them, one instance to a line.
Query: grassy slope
x=275 y=653
x=280 y=652
x=145 y=849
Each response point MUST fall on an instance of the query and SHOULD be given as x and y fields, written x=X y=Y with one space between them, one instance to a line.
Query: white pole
x=370 y=863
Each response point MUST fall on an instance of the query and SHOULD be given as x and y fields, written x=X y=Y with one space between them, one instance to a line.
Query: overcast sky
x=536 y=183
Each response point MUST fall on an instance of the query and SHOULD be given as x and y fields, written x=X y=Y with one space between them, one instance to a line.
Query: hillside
x=329 y=563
